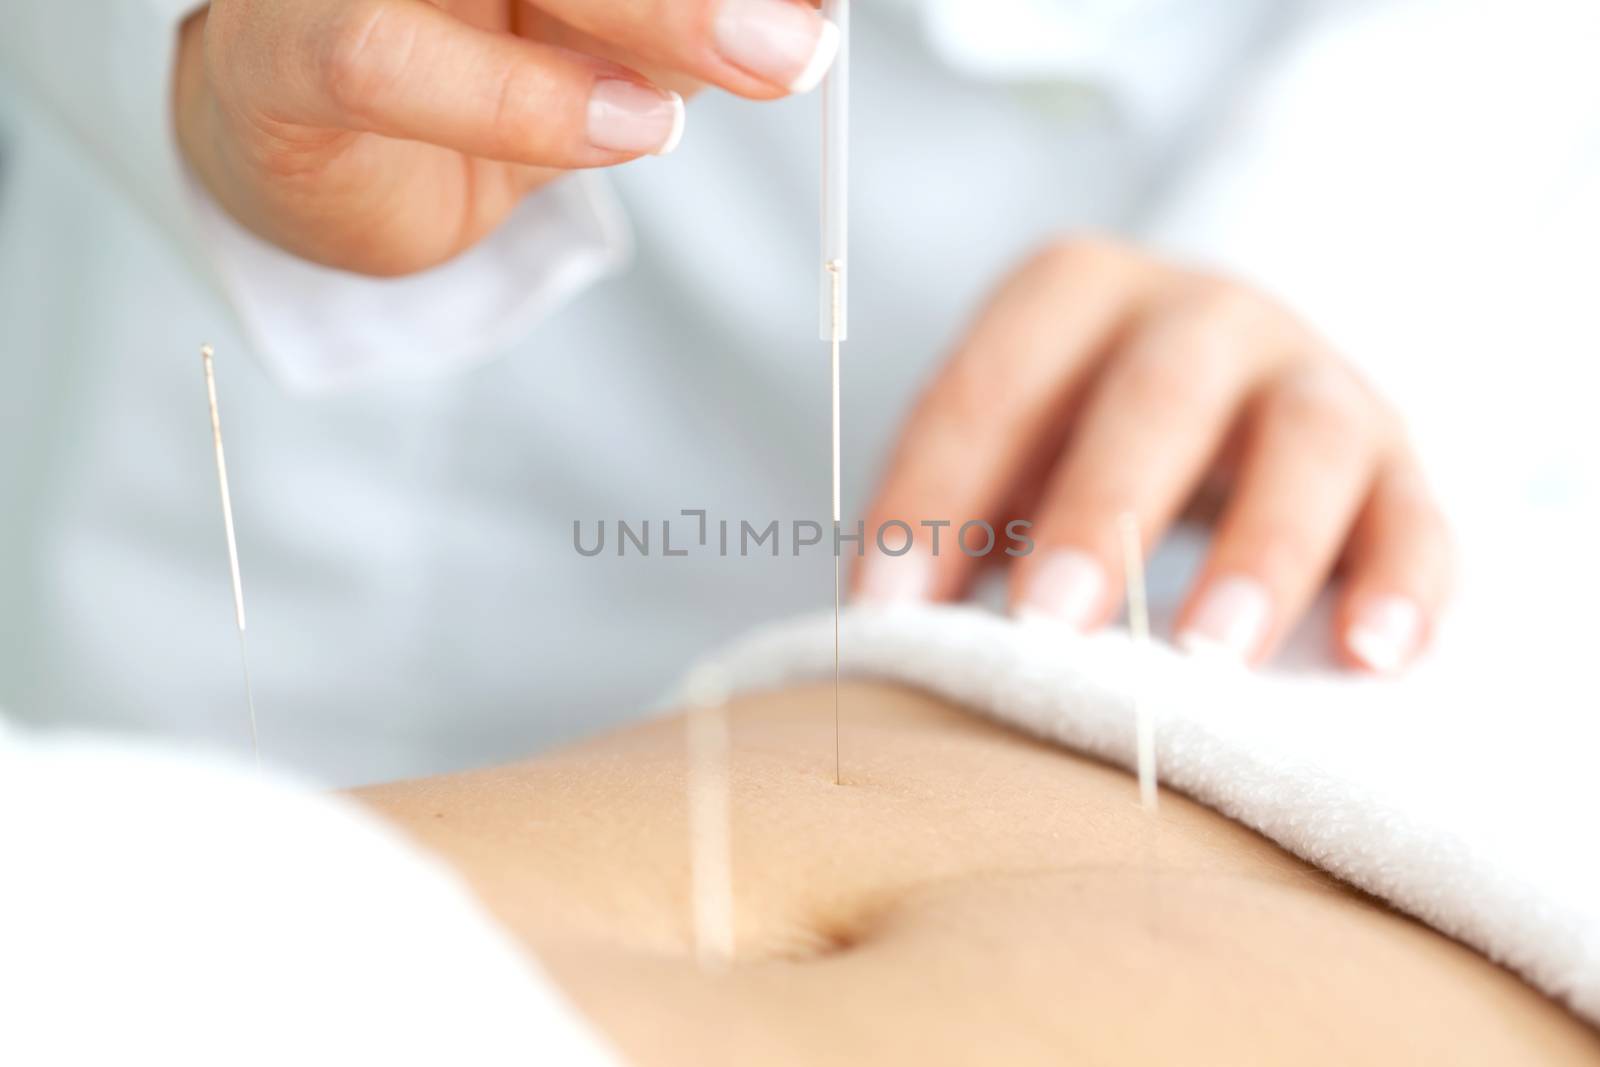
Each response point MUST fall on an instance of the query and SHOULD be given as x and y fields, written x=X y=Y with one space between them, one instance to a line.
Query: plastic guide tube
x=834 y=274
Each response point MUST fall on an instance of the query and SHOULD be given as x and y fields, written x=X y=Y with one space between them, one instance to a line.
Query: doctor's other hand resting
x=1100 y=382
x=387 y=136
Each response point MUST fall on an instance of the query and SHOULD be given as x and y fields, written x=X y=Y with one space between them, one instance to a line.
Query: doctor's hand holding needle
x=387 y=136
x=1100 y=382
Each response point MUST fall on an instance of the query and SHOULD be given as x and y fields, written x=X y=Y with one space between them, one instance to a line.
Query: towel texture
x=1465 y=799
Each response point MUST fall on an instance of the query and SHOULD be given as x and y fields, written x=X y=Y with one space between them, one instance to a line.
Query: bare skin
x=969 y=895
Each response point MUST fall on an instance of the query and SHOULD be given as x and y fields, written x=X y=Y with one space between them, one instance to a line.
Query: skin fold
x=968 y=895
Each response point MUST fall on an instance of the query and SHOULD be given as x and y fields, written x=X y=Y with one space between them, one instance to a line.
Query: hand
x=386 y=136
x=1101 y=382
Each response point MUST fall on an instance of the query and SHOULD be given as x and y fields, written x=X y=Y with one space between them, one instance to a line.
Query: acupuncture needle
x=837 y=275
x=709 y=752
x=835 y=278
x=233 y=546
x=1139 y=632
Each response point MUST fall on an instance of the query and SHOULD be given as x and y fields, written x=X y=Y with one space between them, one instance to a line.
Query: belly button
x=809 y=941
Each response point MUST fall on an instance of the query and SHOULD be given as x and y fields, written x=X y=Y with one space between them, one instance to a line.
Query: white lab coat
x=409 y=456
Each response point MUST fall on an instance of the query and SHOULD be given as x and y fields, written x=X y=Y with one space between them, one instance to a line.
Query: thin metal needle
x=233 y=547
x=833 y=271
x=710 y=756
x=1139 y=629
x=835 y=219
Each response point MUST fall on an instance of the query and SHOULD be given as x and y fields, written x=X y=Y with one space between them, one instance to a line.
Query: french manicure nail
x=625 y=116
x=778 y=41
x=1069 y=587
x=1385 y=632
x=893 y=580
x=1232 y=618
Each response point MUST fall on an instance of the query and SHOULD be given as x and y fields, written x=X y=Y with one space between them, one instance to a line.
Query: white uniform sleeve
x=187 y=910
x=1394 y=164
x=105 y=70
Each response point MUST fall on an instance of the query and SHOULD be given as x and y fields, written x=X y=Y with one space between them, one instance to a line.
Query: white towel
x=1465 y=799
x=163 y=906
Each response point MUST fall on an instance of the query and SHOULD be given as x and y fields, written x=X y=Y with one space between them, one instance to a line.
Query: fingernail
x=1232 y=618
x=784 y=43
x=625 y=116
x=1069 y=587
x=1385 y=632
x=892 y=580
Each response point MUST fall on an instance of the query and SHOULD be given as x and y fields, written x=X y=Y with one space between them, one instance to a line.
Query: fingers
x=1399 y=570
x=977 y=427
x=1311 y=453
x=1122 y=386
x=756 y=48
x=406 y=69
x=1151 y=427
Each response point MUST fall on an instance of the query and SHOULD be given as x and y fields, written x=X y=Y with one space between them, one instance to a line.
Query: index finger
x=755 y=48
